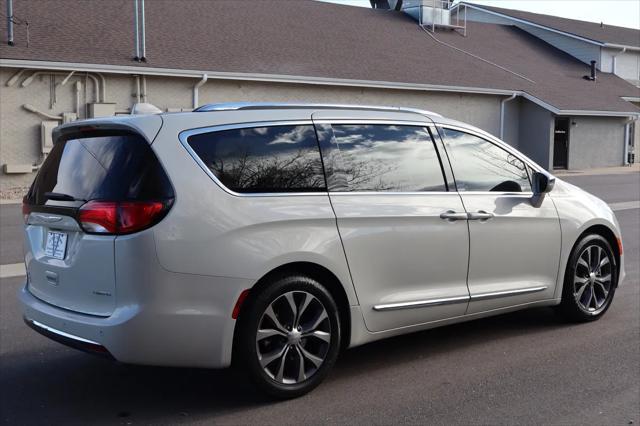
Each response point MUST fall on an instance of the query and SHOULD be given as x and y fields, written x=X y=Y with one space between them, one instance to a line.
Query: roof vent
x=593 y=75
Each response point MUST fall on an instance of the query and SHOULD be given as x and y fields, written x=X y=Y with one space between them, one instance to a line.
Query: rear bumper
x=190 y=326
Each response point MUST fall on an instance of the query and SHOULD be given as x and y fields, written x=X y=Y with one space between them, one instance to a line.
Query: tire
x=588 y=274
x=316 y=342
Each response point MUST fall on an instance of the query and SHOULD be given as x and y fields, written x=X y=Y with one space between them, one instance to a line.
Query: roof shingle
x=311 y=39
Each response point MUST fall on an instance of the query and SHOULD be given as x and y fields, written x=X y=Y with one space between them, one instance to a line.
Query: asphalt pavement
x=527 y=367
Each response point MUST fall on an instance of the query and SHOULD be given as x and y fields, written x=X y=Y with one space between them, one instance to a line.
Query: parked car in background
x=276 y=235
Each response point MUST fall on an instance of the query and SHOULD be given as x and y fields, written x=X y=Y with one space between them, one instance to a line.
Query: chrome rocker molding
x=420 y=303
x=451 y=300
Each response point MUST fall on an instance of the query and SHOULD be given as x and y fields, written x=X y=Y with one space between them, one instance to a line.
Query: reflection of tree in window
x=479 y=165
x=265 y=159
x=384 y=158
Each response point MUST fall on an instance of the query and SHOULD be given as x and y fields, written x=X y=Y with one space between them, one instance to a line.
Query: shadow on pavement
x=58 y=385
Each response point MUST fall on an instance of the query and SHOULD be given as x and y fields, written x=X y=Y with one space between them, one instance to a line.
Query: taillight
x=26 y=210
x=111 y=217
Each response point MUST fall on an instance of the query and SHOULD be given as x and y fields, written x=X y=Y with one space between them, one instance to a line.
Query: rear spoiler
x=147 y=126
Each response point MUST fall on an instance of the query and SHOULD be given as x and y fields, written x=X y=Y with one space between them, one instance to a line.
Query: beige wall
x=20 y=129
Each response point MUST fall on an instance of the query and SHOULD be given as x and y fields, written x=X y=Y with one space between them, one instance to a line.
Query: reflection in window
x=387 y=158
x=263 y=159
x=479 y=165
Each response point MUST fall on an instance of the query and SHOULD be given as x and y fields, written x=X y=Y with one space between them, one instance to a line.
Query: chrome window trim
x=342 y=193
x=365 y=121
x=184 y=140
x=62 y=333
x=458 y=299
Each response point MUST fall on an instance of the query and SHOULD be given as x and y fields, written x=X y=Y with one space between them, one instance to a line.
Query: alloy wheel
x=293 y=337
x=592 y=279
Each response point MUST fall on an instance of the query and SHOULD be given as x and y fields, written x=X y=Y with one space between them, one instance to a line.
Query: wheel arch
x=608 y=234
x=312 y=270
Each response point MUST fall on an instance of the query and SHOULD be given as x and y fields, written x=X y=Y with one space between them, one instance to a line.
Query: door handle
x=452 y=216
x=480 y=215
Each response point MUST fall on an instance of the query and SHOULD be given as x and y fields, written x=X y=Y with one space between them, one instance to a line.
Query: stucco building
x=77 y=60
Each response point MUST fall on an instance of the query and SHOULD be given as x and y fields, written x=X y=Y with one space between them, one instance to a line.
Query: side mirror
x=542 y=183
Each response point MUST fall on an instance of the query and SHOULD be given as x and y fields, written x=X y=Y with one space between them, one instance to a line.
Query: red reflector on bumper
x=238 y=306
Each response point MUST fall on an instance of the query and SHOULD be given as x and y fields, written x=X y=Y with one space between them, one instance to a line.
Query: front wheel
x=590 y=280
x=289 y=336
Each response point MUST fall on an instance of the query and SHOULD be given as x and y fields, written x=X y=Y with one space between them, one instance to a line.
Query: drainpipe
x=626 y=140
x=103 y=81
x=10 y=22
x=137 y=89
x=144 y=89
x=615 y=60
x=502 y=107
x=195 y=90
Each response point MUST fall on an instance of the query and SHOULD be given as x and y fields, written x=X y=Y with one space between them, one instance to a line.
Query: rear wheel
x=289 y=336
x=590 y=280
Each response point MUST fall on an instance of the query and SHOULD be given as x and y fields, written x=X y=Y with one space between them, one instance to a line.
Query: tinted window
x=107 y=167
x=388 y=158
x=479 y=165
x=263 y=159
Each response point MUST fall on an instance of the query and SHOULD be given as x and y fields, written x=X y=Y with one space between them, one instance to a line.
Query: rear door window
x=268 y=159
x=115 y=166
x=382 y=158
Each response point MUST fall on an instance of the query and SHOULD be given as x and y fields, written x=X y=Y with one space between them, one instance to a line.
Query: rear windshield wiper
x=60 y=197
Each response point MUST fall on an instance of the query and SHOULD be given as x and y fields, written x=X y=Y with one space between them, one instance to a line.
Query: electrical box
x=46 y=139
x=102 y=110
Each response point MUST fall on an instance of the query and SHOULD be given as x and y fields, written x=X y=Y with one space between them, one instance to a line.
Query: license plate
x=56 y=245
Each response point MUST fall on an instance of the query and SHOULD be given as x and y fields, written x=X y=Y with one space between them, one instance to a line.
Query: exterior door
x=561 y=143
x=387 y=188
x=514 y=246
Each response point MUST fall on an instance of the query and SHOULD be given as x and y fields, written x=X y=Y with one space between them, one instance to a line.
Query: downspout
x=137 y=89
x=195 y=90
x=104 y=86
x=502 y=108
x=144 y=89
x=626 y=140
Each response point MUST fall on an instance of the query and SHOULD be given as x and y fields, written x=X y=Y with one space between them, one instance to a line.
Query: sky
x=624 y=13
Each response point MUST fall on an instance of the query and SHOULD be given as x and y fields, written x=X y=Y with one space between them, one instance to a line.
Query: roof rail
x=235 y=106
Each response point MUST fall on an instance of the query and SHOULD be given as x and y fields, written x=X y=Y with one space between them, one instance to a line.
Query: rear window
x=263 y=159
x=115 y=166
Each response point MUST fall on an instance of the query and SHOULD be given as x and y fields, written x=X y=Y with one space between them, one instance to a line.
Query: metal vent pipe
x=593 y=70
x=143 y=58
x=10 y=22
x=137 y=31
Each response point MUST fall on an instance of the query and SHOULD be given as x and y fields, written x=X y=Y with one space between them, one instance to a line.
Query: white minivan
x=276 y=235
